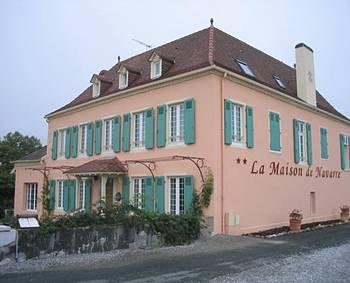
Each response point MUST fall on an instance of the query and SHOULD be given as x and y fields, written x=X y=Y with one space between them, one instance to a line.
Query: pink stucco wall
x=259 y=201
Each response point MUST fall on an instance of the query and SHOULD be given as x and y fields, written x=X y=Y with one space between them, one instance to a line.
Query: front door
x=109 y=192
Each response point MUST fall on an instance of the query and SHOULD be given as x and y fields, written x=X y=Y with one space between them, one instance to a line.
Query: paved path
x=219 y=259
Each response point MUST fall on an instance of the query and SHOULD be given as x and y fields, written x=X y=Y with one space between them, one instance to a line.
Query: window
x=96 y=85
x=82 y=193
x=302 y=142
x=275 y=131
x=279 y=82
x=324 y=143
x=139 y=129
x=245 y=68
x=237 y=123
x=139 y=192
x=346 y=140
x=32 y=191
x=83 y=139
x=62 y=142
x=176 y=123
x=123 y=79
x=176 y=195
x=156 y=68
x=60 y=192
x=108 y=124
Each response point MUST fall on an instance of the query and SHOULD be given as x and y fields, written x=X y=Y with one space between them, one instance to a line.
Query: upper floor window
x=176 y=123
x=345 y=152
x=123 y=78
x=139 y=129
x=60 y=192
x=279 y=82
x=302 y=141
x=96 y=86
x=245 y=68
x=62 y=142
x=138 y=192
x=275 y=131
x=237 y=123
x=177 y=195
x=32 y=193
x=83 y=139
x=324 y=143
x=108 y=137
x=156 y=66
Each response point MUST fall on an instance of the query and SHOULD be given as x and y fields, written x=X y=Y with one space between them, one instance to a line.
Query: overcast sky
x=50 y=49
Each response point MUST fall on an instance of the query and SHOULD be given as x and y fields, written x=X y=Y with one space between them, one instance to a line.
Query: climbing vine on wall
x=207 y=189
x=45 y=195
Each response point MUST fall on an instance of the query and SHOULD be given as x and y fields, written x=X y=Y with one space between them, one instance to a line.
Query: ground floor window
x=82 y=193
x=32 y=191
x=176 y=195
x=138 y=192
x=60 y=194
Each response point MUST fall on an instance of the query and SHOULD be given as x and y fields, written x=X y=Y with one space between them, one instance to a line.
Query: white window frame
x=123 y=79
x=279 y=82
x=84 y=152
x=139 y=133
x=31 y=196
x=62 y=133
x=178 y=207
x=154 y=74
x=60 y=194
x=138 y=192
x=302 y=142
x=81 y=194
x=179 y=137
x=346 y=152
x=107 y=147
x=96 y=88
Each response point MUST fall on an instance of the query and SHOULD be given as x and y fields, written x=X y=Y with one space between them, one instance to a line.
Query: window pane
x=177 y=122
x=236 y=123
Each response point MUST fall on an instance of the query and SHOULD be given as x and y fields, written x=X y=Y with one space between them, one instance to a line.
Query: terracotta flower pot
x=295 y=225
x=344 y=216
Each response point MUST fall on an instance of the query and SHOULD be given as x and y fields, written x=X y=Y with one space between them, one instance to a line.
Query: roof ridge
x=211 y=45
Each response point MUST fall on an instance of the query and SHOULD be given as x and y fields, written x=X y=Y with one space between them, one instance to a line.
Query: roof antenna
x=142 y=43
x=211 y=22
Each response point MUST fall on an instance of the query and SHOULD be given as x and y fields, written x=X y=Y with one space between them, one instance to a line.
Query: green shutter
x=188 y=194
x=149 y=194
x=98 y=136
x=296 y=141
x=72 y=194
x=116 y=134
x=161 y=125
x=68 y=142
x=250 y=126
x=74 y=141
x=275 y=132
x=125 y=190
x=228 y=121
x=342 y=152
x=52 y=194
x=324 y=143
x=90 y=139
x=54 y=145
x=65 y=195
x=160 y=198
x=309 y=143
x=88 y=186
x=149 y=125
x=126 y=132
x=189 y=126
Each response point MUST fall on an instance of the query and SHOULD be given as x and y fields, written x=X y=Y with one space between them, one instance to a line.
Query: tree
x=12 y=147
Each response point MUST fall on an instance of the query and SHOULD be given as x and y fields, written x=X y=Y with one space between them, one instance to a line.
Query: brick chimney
x=305 y=73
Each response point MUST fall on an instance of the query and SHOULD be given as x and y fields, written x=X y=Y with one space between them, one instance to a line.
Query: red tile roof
x=111 y=165
x=210 y=46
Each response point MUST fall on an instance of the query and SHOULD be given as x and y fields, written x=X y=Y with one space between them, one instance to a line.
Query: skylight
x=279 y=82
x=245 y=68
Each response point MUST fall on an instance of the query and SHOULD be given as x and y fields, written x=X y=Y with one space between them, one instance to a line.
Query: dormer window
x=279 y=82
x=123 y=78
x=245 y=68
x=96 y=86
x=156 y=66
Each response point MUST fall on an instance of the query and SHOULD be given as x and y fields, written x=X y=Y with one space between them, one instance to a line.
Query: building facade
x=146 y=131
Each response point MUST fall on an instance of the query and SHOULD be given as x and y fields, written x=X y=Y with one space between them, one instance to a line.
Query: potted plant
x=295 y=218
x=344 y=213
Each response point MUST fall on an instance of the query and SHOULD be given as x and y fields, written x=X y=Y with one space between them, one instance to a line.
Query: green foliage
x=45 y=195
x=207 y=189
x=9 y=221
x=12 y=147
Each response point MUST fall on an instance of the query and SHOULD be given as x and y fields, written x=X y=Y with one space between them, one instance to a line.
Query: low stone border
x=280 y=231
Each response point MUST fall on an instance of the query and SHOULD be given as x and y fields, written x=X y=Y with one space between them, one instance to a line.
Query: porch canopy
x=106 y=166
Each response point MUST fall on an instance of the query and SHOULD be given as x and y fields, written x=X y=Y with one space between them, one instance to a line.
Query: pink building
x=145 y=130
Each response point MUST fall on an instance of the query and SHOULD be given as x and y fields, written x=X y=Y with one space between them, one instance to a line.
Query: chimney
x=305 y=73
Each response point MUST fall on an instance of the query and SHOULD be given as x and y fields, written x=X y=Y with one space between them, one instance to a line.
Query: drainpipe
x=222 y=151
x=16 y=245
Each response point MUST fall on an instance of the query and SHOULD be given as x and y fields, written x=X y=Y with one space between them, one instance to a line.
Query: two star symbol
x=238 y=160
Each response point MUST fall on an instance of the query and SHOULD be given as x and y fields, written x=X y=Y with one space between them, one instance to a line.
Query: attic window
x=245 y=68
x=96 y=86
x=156 y=68
x=279 y=82
x=123 y=78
